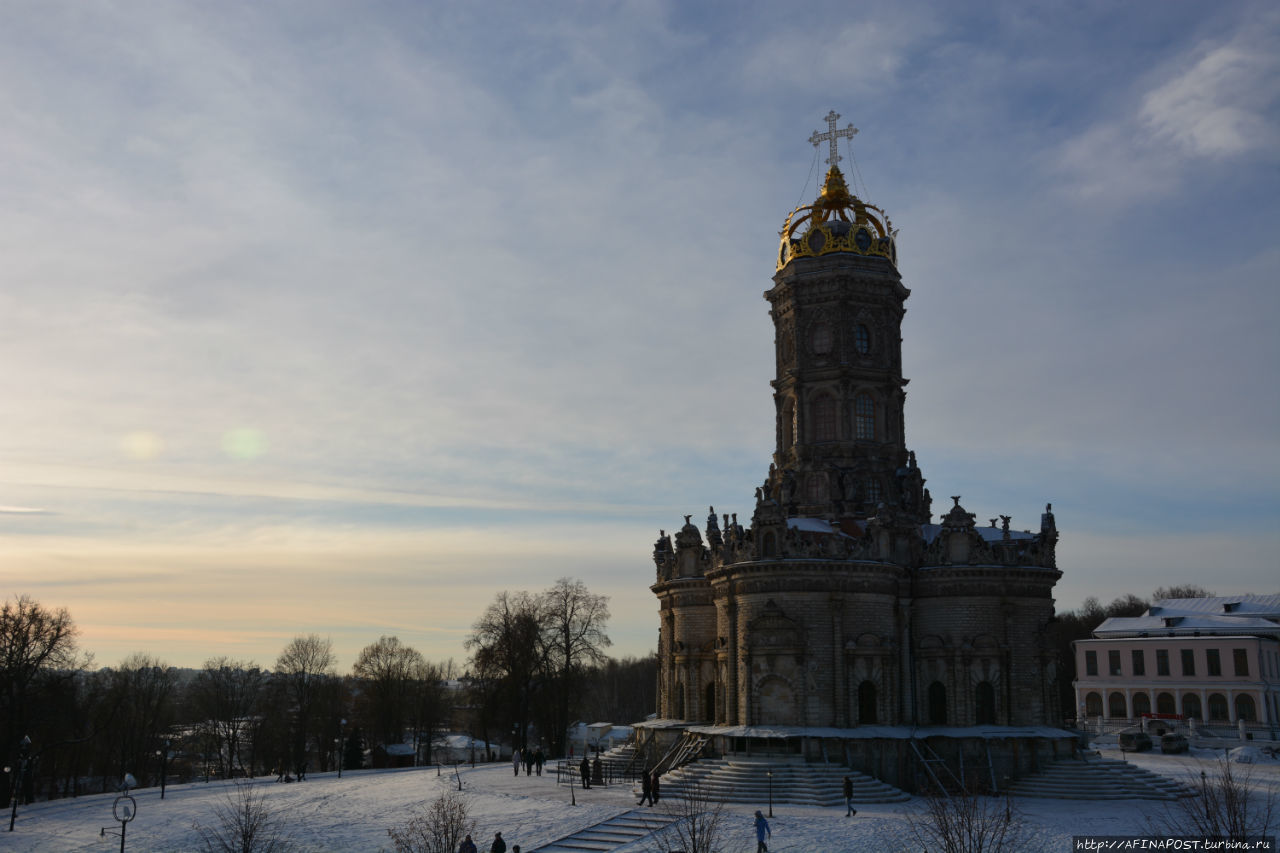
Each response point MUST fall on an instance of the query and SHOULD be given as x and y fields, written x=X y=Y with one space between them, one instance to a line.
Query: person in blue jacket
x=762 y=832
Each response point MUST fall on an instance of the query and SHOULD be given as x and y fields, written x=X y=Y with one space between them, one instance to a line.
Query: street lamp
x=341 y=740
x=769 y=773
x=16 y=780
x=163 y=755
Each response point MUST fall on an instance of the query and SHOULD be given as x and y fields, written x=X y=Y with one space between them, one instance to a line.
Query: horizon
x=342 y=324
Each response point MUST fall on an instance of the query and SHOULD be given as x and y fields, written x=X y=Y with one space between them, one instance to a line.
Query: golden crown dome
x=838 y=221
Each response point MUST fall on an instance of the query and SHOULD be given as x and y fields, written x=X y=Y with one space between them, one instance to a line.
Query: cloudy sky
x=341 y=317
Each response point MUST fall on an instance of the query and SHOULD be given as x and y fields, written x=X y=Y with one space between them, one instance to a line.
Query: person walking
x=515 y=761
x=849 y=810
x=654 y=787
x=538 y=760
x=498 y=845
x=467 y=845
x=646 y=789
x=584 y=770
x=762 y=833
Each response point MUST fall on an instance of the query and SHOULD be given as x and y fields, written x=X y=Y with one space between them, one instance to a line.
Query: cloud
x=1216 y=102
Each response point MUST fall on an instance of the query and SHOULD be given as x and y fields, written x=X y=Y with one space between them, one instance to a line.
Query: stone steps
x=611 y=834
x=1098 y=779
x=795 y=783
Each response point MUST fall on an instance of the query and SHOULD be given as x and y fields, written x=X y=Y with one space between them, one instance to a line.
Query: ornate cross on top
x=832 y=135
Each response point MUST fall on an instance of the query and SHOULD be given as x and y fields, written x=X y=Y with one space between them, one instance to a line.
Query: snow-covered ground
x=353 y=813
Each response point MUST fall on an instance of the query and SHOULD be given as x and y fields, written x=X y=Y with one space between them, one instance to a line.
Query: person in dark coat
x=850 y=811
x=646 y=789
x=467 y=846
x=584 y=770
x=655 y=787
x=538 y=760
x=498 y=845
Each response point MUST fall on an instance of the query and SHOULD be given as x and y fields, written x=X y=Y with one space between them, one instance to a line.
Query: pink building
x=1214 y=660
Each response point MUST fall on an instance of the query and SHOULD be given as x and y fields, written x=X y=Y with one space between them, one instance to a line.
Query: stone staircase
x=795 y=782
x=612 y=833
x=1098 y=779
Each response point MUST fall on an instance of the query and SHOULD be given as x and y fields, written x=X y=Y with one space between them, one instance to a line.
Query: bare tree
x=438 y=828
x=139 y=702
x=968 y=822
x=244 y=823
x=226 y=694
x=302 y=670
x=38 y=656
x=1186 y=590
x=696 y=822
x=508 y=646
x=1230 y=805
x=575 y=620
x=387 y=671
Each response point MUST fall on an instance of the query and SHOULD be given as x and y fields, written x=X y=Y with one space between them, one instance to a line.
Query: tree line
x=536 y=665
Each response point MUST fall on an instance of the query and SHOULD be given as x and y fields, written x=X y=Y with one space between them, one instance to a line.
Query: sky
x=337 y=318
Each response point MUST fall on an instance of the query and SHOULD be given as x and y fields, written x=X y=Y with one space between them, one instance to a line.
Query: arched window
x=1165 y=704
x=937 y=704
x=1093 y=705
x=1217 y=706
x=861 y=339
x=1116 y=707
x=815 y=487
x=984 y=704
x=1141 y=704
x=867 y=703
x=1191 y=706
x=873 y=490
x=823 y=413
x=709 y=711
x=1245 y=709
x=788 y=424
x=770 y=545
x=864 y=417
x=679 y=701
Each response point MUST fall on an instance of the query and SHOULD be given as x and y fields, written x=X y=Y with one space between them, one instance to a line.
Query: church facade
x=842 y=603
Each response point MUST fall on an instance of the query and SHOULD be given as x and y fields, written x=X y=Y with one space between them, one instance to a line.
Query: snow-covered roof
x=929 y=532
x=1120 y=626
x=1264 y=606
x=1251 y=615
x=459 y=742
x=893 y=732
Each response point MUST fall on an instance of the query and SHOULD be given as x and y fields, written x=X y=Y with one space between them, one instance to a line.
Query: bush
x=244 y=823
x=438 y=828
x=968 y=822
x=1227 y=805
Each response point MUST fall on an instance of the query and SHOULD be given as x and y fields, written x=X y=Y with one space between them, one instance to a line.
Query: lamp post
x=16 y=780
x=769 y=773
x=163 y=755
x=341 y=740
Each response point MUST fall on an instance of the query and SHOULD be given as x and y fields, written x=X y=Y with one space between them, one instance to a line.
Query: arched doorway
x=984 y=704
x=1141 y=704
x=1245 y=709
x=1218 y=707
x=679 y=703
x=1191 y=707
x=867 y=703
x=1093 y=705
x=709 y=709
x=937 y=704
x=1165 y=704
x=1116 y=707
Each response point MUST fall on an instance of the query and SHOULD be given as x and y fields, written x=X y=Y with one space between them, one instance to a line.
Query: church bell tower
x=837 y=305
